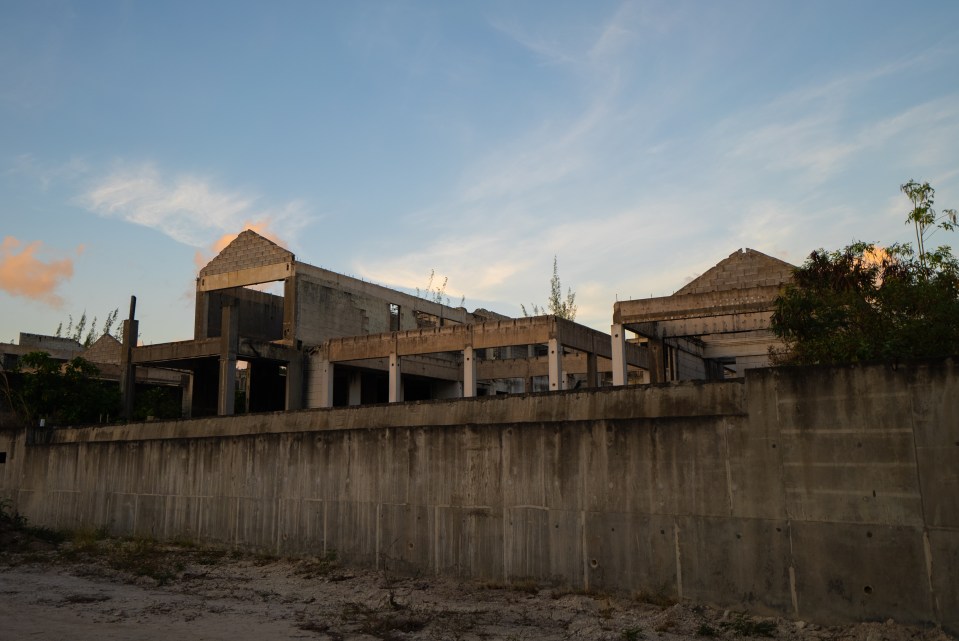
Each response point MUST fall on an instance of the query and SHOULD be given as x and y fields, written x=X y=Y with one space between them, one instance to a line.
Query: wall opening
x=394 y=317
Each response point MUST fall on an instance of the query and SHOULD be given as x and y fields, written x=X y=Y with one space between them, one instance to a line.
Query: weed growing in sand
x=706 y=630
x=18 y=533
x=145 y=557
x=659 y=597
x=386 y=625
x=632 y=634
x=748 y=627
x=527 y=585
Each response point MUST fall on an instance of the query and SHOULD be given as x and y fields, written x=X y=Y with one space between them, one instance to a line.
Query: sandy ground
x=109 y=589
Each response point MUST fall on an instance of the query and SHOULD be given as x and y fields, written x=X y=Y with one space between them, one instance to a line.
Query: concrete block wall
x=829 y=495
x=741 y=270
x=247 y=250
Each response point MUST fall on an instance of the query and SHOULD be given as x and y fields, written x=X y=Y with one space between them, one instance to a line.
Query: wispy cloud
x=189 y=209
x=633 y=179
x=24 y=274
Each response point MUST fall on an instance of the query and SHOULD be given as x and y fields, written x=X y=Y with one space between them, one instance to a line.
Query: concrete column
x=356 y=388
x=469 y=373
x=186 y=402
x=396 y=389
x=128 y=371
x=556 y=381
x=592 y=370
x=656 y=364
x=289 y=310
x=324 y=375
x=294 y=383
x=618 y=339
x=229 y=335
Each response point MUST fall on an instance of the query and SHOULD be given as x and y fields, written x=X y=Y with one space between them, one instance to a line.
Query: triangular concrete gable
x=743 y=269
x=105 y=349
x=247 y=250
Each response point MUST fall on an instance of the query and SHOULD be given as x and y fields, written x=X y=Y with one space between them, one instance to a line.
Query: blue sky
x=639 y=142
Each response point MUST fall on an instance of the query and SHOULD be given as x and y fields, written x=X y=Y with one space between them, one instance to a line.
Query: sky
x=637 y=142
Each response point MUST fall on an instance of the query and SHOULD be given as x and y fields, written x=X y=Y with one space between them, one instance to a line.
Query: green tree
x=63 y=393
x=924 y=217
x=865 y=303
x=77 y=333
x=436 y=292
x=557 y=304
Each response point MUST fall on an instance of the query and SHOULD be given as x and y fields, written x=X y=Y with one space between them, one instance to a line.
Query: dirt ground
x=90 y=587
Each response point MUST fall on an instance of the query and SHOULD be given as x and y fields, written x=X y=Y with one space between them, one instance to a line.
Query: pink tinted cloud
x=23 y=274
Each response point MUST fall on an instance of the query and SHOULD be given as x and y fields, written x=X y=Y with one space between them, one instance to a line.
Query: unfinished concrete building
x=716 y=326
x=332 y=340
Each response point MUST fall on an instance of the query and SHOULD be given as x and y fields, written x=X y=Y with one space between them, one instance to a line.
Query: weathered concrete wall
x=826 y=494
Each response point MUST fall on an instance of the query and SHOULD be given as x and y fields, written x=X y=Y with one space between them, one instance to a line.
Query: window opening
x=394 y=317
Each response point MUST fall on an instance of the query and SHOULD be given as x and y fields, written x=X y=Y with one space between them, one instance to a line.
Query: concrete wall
x=830 y=495
x=331 y=305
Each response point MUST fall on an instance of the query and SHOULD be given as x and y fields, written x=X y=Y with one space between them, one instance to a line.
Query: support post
x=469 y=372
x=128 y=371
x=657 y=372
x=618 y=343
x=356 y=388
x=324 y=374
x=396 y=391
x=186 y=401
x=229 y=335
x=556 y=381
x=592 y=375
x=294 y=383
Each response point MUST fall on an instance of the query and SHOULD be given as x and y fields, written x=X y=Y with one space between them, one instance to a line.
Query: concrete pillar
x=356 y=388
x=396 y=389
x=556 y=381
x=592 y=370
x=128 y=371
x=324 y=375
x=656 y=364
x=618 y=339
x=294 y=383
x=229 y=335
x=289 y=310
x=186 y=400
x=469 y=373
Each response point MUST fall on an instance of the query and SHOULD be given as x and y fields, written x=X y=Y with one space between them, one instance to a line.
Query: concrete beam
x=243 y=277
x=687 y=306
x=704 y=325
x=178 y=351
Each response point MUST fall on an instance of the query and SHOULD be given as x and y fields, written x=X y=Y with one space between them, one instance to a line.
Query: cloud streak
x=632 y=182
x=187 y=208
x=25 y=275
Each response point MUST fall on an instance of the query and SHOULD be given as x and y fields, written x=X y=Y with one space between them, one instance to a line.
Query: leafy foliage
x=76 y=330
x=557 y=305
x=865 y=303
x=923 y=217
x=61 y=393
x=436 y=291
